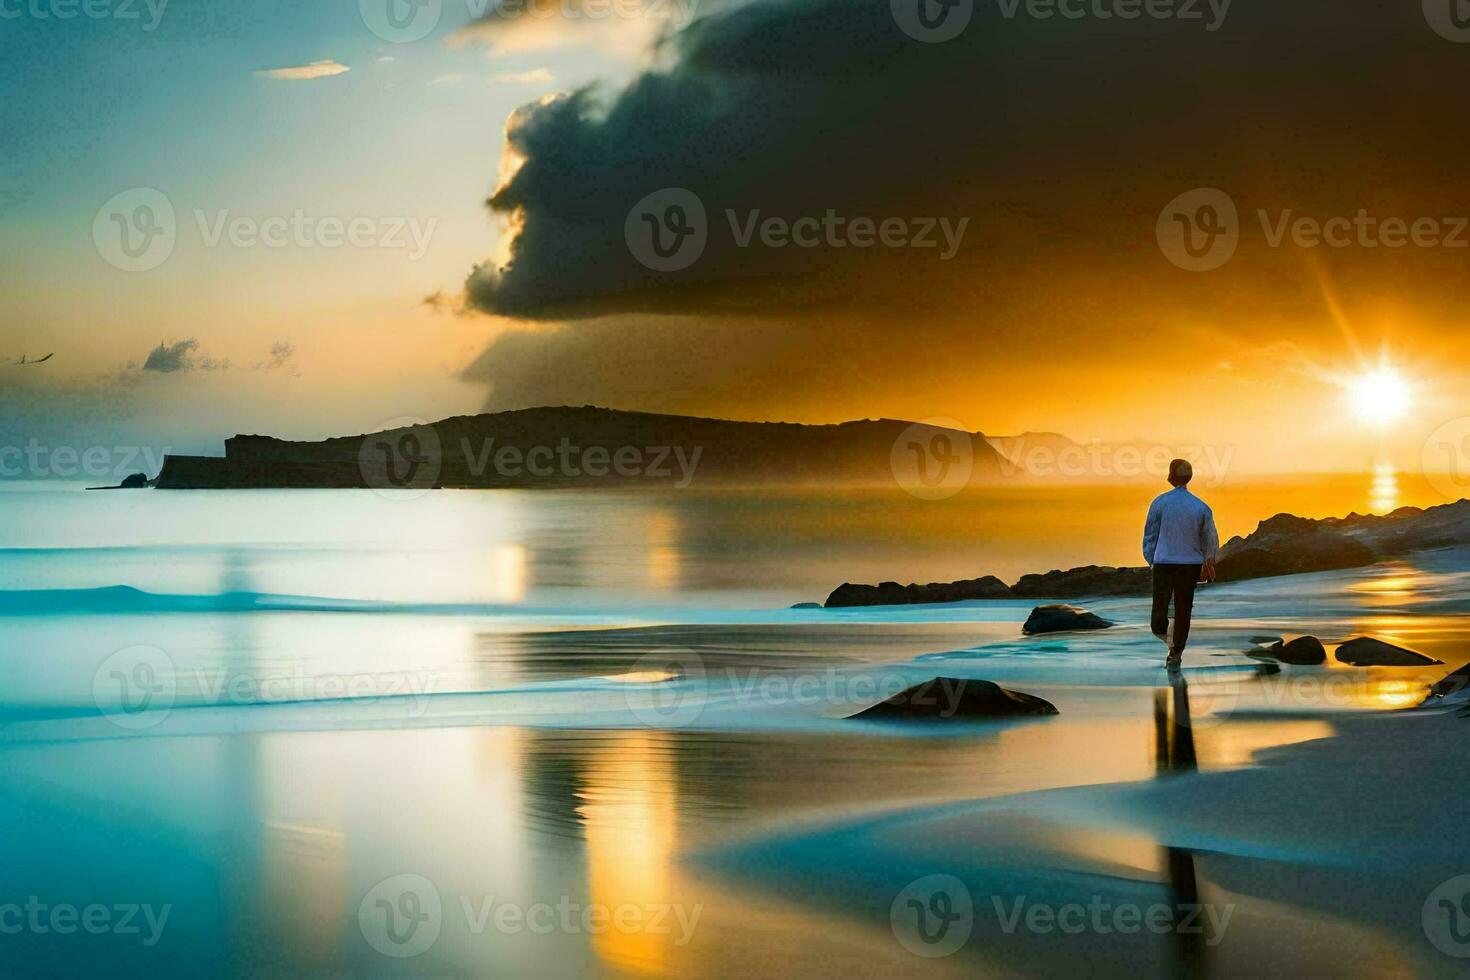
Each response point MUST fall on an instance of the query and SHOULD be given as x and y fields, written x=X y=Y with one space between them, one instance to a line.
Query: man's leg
x=1185 y=579
x=1163 y=588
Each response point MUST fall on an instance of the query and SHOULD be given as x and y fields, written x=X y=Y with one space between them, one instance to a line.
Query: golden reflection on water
x=1236 y=744
x=508 y=566
x=1383 y=496
x=628 y=810
x=665 y=560
x=1393 y=584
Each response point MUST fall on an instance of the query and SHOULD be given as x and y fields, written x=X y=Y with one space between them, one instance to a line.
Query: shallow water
x=261 y=711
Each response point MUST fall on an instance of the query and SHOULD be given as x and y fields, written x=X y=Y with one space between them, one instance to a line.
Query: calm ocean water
x=572 y=549
x=322 y=732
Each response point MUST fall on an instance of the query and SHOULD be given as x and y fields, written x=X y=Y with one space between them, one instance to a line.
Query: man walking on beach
x=1180 y=542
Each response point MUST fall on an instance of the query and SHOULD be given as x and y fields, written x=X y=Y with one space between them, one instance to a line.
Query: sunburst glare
x=1380 y=397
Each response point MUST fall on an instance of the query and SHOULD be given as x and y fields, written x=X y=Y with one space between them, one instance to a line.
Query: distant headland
x=557 y=447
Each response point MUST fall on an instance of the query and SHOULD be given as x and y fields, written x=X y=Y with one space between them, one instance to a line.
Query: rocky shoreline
x=1281 y=545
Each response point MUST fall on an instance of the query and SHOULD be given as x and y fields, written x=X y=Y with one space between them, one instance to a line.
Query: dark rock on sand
x=893 y=594
x=807 y=605
x=1450 y=686
x=1365 y=651
x=1090 y=580
x=1060 y=617
x=1287 y=545
x=1306 y=651
x=948 y=697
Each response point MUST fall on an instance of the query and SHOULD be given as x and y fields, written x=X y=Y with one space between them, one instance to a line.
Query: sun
x=1380 y=397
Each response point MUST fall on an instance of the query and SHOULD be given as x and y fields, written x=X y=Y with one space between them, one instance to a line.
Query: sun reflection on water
x=628 y=798
x=1383 y=496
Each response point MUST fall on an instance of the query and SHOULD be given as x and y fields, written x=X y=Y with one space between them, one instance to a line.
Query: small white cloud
x=536 y=76
x=299 y=73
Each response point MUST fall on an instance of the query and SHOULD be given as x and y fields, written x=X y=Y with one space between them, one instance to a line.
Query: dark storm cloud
x=1058 y=139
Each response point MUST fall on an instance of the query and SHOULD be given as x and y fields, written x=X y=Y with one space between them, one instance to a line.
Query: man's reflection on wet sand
x=1175 y=753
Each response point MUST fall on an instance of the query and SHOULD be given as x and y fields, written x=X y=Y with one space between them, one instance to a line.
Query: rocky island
x=558 y=447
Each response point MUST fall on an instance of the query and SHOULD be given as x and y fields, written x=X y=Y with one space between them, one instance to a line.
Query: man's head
x=1180 y=472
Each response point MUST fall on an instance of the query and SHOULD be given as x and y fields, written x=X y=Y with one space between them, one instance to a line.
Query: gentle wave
x=126 y=599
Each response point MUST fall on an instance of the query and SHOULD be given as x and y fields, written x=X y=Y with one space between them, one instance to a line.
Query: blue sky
x=411 y=131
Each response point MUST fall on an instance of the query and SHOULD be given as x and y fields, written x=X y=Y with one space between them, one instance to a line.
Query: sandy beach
x=693 y=764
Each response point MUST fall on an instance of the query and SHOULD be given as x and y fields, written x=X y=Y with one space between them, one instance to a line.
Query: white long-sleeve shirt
x=1180 y=530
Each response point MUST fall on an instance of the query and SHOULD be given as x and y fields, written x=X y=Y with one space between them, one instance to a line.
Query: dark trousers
x=1176 y=582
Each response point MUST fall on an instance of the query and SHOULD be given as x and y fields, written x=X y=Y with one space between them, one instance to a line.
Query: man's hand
x=1207 y=571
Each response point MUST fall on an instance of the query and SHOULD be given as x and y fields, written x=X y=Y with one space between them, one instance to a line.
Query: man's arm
x=1209 y=545
x=1151 y=532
